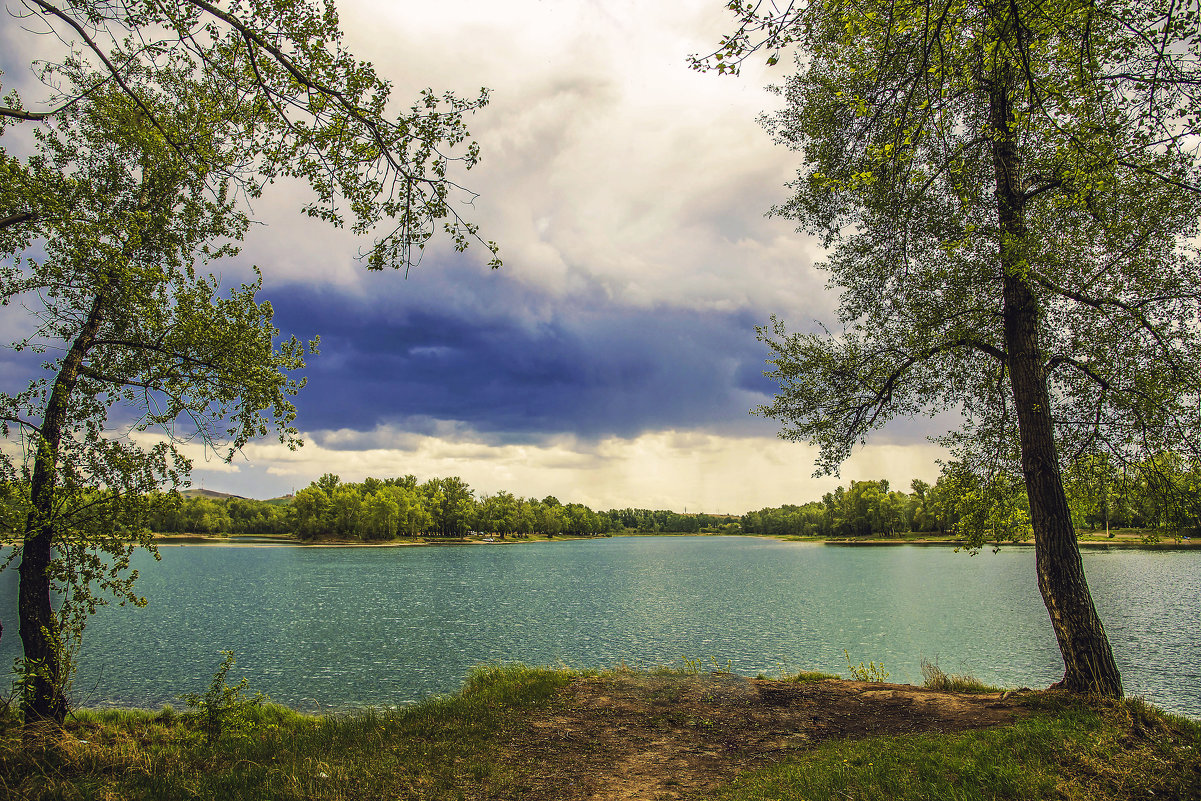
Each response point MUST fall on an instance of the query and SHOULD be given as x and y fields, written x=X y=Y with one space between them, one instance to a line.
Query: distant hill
x=283 y=500
x=208 y=493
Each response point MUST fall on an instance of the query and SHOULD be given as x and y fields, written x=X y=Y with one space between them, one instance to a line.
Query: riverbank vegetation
x=536 y=733
x=377 y=510
x=1148 y=501
x=1152 y=499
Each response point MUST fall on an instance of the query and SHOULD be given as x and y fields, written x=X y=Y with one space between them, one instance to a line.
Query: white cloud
x=202 y=457
x=609 y=168
x=663 y=469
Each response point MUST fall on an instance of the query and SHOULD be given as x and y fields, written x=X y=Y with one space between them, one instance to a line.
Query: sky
x=612 y=360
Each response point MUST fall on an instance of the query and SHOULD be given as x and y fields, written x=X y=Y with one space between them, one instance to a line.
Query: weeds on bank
x=933 y=678
x=1072 y=750
x=223 y=706
x=696 y=667
x=806 y=675
x=447 y=748
x=869 y=672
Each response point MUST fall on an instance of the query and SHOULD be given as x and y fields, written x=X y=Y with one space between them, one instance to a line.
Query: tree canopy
x=1009 y=192
x=318 y=113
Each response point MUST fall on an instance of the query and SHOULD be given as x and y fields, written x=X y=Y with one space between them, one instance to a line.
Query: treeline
x=1160 y=494
x=652 y=521
x=384 y=509
x=1157 y=494
x=216 y=516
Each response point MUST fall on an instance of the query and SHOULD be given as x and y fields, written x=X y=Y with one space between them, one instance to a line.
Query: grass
x=935 y=679
x=431 y=750
x=452 y=747
x=1070 y=750
x=806 y=675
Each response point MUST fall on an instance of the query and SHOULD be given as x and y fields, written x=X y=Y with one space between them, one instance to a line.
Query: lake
x=329 y=628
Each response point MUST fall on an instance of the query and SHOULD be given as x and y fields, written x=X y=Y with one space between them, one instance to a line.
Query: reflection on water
x=332 y=627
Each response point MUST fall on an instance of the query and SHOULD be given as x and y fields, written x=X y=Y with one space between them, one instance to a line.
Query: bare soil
x=673 y=737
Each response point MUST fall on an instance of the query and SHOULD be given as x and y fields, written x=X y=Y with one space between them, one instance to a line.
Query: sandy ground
x=641 y=736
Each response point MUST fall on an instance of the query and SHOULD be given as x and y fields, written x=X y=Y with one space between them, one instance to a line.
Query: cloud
x=673 y=469
x=614 y=353
x=511 y=366
x=610 y=170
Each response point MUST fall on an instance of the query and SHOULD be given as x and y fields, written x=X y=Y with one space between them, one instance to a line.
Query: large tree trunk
x=1088 y=660
x=44 y=698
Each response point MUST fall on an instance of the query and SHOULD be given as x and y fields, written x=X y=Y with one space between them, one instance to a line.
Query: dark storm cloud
x=512 y=370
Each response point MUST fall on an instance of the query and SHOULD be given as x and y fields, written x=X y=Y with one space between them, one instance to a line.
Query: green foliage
x=383 y=509
x=993 y=509
x=436 y=749
x=901 y=183
x=802 y=676
x=1160 y=494
x=462 y=746
x=697 y=667
x=142 y=351
x=861 y=672
x=316 y=113
x=663 y=521
x=223 y=708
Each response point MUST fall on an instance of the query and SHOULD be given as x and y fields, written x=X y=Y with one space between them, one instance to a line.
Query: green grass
x=1067 y=751
x=807 y=675
x=935 y=679
x=431 y=750
x=453 y=747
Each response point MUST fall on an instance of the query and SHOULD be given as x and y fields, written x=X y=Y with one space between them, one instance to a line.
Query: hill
x=208 y=493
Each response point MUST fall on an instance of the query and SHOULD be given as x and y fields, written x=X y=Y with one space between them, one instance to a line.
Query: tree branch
x=16 y=219
x=21 y=422
x=304 y=79
x=112 y=69
x=1083 y=367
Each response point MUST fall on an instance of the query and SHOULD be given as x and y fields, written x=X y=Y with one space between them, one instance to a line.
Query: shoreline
x=275 y=541
x=270 y=541
x=1099 y=545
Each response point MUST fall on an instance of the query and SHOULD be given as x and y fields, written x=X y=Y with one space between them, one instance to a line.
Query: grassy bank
x=532 y=733
x=442 y=748
x=1066 y=750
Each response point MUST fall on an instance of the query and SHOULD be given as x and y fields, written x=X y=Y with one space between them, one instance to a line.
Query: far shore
x=1090 y=541
x=272 y=541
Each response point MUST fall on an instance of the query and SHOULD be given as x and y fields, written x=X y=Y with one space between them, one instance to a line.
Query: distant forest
x=1157 y=495
x=384 y=509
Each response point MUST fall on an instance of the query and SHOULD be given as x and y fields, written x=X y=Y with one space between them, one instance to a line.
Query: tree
x=135 y=340
x=382 y=515
x=312 y=505
x=346 y=510
x=451 y=504
x=289 y=102
x=1008 y=190
x=992 y=509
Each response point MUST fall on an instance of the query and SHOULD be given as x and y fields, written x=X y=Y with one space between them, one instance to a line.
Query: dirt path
x=641 y=736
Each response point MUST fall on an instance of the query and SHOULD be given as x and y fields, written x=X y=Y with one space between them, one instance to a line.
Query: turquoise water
x=321 y=628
